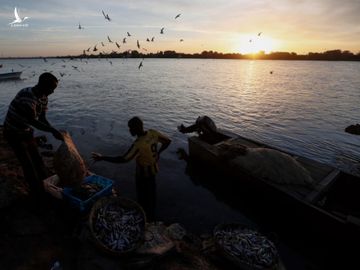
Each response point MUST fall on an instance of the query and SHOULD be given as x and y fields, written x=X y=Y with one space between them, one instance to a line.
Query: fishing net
x=268 y=164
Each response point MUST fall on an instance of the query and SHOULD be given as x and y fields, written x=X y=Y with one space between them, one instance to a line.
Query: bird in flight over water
x=138 y=44
x=177 y=16
x=106 y=16
x=117 y=45
x=128 y=34
x=140 y=65
x=17 y=17
x=259 y=34
x=124 y=40
x=109 y=39
x=162 y=30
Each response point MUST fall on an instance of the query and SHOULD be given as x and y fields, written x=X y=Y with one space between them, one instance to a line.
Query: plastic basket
x=85 y=205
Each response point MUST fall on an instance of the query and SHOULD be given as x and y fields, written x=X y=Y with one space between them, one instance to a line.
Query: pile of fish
x=117 y=228
x=247 y=246
x=86 y=190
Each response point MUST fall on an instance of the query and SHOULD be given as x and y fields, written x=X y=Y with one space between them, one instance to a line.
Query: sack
x=68 y=164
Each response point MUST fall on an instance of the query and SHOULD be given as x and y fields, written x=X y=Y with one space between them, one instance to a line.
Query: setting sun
x=254 y=44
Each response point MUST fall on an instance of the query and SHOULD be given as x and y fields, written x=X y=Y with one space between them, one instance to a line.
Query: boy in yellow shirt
x=144 y=151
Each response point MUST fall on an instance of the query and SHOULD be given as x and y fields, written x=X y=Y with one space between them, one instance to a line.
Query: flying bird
x=181 y=40
x=138 y=44
x=144 y=49
x=95 y=49
x=148 y=40
x=140 y=65
x=106 y=16
x=128 y=34
x=17 y=17
x=88 y=49
x=177 y=16
x=152 y=39
x=102 y=43
x=259 y=34
x=162 y=30
x=62 y=74
x=124 y=40
x=250 y=40
x=80 y=27
x=109 y=39
x=117 y=45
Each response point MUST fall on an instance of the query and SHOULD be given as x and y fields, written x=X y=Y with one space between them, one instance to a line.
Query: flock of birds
x=96 y=47
x=125 y=39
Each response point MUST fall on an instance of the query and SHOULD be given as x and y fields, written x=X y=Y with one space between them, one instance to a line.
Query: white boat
x=10 y=76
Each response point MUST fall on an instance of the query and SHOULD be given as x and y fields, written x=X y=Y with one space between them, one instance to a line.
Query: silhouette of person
x=144 y=150
x=28 y=110
x=204 y=126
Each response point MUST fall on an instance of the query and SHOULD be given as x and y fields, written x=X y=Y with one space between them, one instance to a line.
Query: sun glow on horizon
x=255 y=44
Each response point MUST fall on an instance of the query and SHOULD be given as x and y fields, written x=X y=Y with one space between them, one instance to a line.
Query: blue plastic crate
x=83 y=206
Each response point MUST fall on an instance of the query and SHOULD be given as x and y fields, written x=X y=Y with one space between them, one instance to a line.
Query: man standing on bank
x=144 y=150
x=27 y=110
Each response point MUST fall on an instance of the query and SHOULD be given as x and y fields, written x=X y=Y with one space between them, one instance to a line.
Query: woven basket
x=235 y=260
x=121 y=203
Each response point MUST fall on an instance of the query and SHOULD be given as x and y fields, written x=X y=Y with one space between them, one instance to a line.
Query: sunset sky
x=299 y=26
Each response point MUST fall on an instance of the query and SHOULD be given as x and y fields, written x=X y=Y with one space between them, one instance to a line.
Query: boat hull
x=313 y=212
x=10 y=76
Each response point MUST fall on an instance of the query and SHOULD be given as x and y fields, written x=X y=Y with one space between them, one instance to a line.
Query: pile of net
x=265 y=163
x=68 y=164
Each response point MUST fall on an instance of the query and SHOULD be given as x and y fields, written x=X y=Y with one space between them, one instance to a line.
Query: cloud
x=301 y=21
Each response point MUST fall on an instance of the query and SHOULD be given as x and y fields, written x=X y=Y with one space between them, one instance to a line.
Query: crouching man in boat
x=204 y=126
x=27 y=110
x=144 y=150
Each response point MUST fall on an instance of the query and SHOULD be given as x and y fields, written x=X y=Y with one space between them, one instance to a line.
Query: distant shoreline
x=333 y=55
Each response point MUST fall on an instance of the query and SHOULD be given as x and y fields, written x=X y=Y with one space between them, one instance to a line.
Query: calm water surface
x=303 y=107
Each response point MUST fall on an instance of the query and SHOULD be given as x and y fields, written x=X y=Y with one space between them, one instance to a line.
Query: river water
x=298 y=106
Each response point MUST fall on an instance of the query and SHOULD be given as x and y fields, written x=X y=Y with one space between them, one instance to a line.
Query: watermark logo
x=18 y=22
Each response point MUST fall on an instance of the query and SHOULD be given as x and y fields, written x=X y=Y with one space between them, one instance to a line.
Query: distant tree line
x=332 y=55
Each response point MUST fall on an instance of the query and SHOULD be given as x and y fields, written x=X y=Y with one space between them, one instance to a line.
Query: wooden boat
x=10 y=76
x=330 y=208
